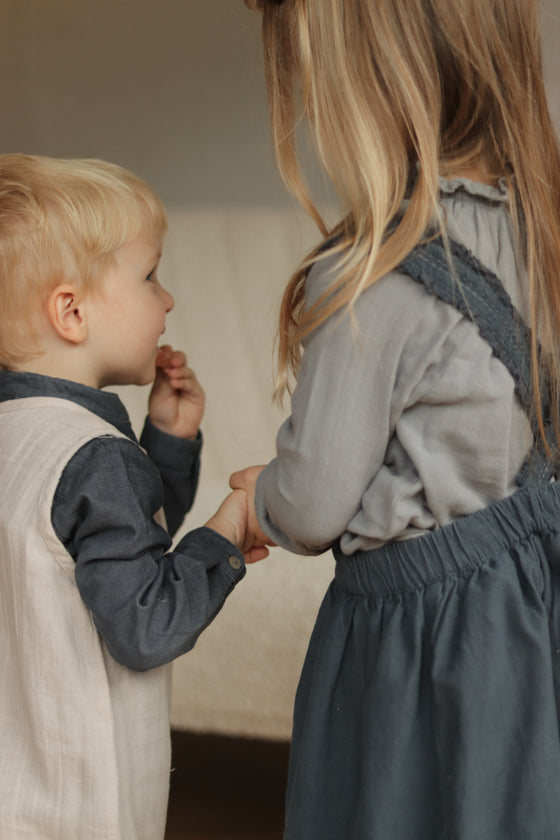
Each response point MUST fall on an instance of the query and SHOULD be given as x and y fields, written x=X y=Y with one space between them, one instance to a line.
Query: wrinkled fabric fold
x=428 y=703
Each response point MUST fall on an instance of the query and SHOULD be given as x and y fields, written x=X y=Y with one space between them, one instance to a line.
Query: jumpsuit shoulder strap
x=455 y=276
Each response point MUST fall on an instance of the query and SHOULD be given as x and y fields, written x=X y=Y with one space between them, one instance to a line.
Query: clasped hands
x=236 y=518
x=246 y=480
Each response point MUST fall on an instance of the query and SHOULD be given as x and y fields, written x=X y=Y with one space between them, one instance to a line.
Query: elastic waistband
x=455 y=549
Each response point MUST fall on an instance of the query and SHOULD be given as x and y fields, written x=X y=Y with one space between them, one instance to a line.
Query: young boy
x=93 y=604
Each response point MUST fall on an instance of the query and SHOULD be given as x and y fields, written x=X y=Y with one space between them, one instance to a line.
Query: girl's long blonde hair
x=396 y=88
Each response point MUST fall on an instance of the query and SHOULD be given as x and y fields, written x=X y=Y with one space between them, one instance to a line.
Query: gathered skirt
x=428 y=704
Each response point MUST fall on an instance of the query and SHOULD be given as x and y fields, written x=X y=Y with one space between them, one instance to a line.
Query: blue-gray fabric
x=401 y=419
x=177 y=460
x=489 y=307
x=428 y=703
x=149 y=603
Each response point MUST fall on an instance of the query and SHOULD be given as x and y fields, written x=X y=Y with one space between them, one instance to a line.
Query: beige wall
x=173 y=90
x=550 y=27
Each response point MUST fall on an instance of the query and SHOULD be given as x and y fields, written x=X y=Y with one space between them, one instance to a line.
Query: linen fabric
x=403 y=420
x=428 y=704
x=85 y=741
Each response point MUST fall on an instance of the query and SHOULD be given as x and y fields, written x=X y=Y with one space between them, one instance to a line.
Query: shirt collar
x=15 y=385
x=497 y=194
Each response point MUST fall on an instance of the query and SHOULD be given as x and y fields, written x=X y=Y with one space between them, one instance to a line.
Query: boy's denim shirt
x=162 y=616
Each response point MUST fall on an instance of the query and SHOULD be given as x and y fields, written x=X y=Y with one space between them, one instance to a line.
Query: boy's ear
x=66 y=311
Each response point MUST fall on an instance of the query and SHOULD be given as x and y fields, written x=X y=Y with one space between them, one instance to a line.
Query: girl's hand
x=230 y=520
x=176 y=402
x=246 y=480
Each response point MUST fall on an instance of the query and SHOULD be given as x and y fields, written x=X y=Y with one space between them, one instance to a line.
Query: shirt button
x=234 y=562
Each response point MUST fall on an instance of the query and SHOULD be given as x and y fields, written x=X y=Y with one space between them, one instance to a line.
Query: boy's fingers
x=256 y=554
x=162 y=358
x=168 y=357
x=237 y=480
x=243 y=479
x=177 y=359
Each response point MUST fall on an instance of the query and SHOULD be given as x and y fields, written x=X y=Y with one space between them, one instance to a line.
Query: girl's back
x=427 y=707
x=413 y=421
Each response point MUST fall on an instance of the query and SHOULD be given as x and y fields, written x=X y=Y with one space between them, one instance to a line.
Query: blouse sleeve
x=356 y=377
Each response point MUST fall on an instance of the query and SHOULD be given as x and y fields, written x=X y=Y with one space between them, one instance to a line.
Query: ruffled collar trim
x=495 y=194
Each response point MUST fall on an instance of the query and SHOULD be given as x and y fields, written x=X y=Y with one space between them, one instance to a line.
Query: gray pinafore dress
x=428 y=704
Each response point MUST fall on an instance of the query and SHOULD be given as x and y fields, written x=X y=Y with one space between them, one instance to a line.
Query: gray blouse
x=407 y=423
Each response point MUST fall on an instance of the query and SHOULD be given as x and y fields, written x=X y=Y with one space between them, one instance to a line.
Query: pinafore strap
x=478 y=294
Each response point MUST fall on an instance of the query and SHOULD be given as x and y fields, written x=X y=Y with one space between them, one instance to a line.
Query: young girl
x=423 y=432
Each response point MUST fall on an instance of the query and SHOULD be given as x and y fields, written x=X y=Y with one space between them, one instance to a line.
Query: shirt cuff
x=168 y=451
x=216 y=550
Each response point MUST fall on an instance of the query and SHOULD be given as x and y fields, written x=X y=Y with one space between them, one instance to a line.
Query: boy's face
x=127 y=317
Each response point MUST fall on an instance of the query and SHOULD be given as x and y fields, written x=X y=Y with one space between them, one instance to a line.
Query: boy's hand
x=176 y=402
x=246 y=480
x=230 y=520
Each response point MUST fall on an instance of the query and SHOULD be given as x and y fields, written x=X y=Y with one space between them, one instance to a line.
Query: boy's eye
x=151 y=276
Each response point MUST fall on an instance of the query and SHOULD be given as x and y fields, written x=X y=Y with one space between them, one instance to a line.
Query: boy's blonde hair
x=61 y=221
x=397 y=92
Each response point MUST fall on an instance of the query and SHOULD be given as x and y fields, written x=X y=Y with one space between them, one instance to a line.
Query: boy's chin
x=145 y=378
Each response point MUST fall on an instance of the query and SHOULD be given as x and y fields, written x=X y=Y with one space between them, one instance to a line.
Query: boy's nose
x=168 y=300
